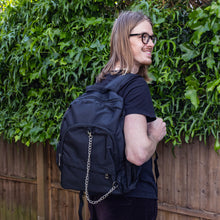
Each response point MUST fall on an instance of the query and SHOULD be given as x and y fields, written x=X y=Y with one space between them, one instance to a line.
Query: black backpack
x=91 y=149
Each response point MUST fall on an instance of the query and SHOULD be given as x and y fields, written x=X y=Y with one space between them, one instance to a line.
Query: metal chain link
x=115 y=185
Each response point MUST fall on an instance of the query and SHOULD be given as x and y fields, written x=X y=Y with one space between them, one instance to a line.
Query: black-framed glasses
x=146 y=37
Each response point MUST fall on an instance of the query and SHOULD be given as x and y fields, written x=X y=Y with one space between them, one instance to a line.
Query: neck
x=134 y=70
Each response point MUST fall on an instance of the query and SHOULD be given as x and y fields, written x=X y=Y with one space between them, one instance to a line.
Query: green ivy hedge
x=50 y=51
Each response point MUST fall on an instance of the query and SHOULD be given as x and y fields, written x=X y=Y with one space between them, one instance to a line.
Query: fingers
x=164 y=129
x=157 y=129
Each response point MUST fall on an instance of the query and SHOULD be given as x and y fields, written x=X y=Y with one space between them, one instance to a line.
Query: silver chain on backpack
x=115 y=185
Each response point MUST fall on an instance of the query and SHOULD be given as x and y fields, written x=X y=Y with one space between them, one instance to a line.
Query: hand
x=156 y=130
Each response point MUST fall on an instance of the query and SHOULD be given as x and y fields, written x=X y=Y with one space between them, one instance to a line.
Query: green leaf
x=93 y=21
x=218 y=89
x=217 y=144
x=215 y=8
x=17 y=137
x=189 y=52
x=211 y=85
x=216 y=43
x=191 y=94
x=198 y=33
x=64 y=44
x=210 y=62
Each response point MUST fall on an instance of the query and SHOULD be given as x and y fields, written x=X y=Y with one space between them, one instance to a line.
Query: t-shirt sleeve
x=137 y=99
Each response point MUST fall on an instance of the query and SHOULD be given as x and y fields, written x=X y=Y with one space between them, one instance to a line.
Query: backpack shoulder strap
x=81 y=203
x=157 y=174
x=117 y=83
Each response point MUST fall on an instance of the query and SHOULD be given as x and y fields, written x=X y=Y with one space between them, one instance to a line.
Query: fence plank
x=180 y=176
x=204 y=178
x=42 y=191
x=214 y=179
x=193 y=189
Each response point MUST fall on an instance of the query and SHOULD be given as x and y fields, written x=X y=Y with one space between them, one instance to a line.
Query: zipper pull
x=59 y=159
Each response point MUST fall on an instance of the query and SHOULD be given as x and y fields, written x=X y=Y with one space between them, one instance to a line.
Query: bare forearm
x=142 y=138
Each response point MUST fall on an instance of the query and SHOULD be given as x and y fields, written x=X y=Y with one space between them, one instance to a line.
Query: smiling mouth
x=148 y=54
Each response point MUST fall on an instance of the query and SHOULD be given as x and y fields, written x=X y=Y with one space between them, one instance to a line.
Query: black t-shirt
x=137 y=100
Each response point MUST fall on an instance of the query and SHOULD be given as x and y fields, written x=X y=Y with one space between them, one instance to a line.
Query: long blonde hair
x=120 y=45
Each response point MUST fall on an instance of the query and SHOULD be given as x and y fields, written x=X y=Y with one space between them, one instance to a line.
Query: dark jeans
x=124 y=208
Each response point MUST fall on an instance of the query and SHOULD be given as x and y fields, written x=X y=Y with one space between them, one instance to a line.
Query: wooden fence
x=189 y=184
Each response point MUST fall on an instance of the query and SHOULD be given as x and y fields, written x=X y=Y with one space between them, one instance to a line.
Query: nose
x=150 y=42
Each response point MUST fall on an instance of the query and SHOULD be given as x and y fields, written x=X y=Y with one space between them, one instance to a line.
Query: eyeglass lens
x=146 y=38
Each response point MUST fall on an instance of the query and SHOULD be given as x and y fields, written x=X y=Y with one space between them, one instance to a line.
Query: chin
x=148 y=62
